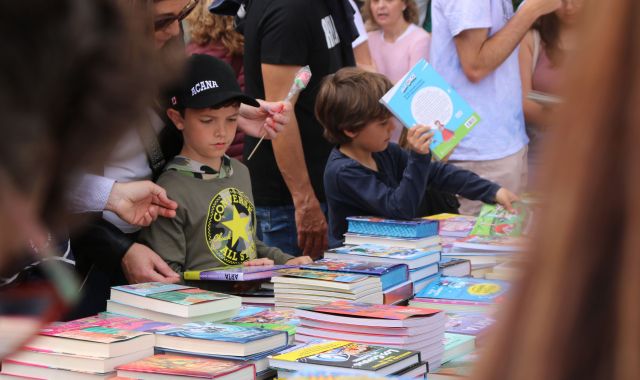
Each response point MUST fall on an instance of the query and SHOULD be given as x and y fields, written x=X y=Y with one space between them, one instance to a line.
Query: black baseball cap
x=225 y=7
x=208 y=82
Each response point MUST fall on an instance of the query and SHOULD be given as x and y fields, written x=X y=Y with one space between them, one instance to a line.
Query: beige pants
x=509 y=172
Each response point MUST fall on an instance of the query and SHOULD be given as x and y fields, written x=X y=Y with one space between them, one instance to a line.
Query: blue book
x=422 y=96
x=376 y=226
x=219 y=339
x=465 y=289
x=390 y=274
x=413 y=257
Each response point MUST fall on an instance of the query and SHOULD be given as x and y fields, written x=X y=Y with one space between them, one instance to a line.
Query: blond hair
x=207 y=28
x=410 y=14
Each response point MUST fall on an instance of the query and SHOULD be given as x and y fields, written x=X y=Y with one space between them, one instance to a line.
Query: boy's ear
x=350 y=134
x=176 y=118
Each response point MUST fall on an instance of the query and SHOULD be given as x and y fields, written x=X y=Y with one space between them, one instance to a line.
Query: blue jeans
x=277 y=227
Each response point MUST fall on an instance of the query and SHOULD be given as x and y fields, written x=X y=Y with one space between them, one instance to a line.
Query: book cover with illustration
x=320 y=275
x=390 y=274
x=468 y=323
x=366 y=310
x=422 y=96
x=343 y=354
x=454 y=225
x=465 y=289
x=495 y=220
x=404 y=255
x=490 y=244
x=178 y=365
x=235 y=273
x=372 y=225
x=147 y=288
x=98 y=334
x=280 y=320
x=219 y=332
x=189 y=296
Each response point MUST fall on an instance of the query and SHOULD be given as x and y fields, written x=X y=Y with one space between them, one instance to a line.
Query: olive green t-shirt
x=215 y=223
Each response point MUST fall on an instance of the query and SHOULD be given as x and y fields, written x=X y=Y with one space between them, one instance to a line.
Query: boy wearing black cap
x=215 y=223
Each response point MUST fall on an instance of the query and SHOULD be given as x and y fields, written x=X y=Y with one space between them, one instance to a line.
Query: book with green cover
x=495 y=220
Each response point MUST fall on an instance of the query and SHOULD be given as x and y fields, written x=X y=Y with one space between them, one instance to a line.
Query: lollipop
x=300 y=82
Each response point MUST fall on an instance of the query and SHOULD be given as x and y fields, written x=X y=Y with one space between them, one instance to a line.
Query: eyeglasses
x=164 y=22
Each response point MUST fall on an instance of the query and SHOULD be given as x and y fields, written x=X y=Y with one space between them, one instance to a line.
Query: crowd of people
x=124 y=160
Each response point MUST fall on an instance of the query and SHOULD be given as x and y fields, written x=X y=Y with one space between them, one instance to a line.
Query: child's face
x=208 y=132
x=375 y=136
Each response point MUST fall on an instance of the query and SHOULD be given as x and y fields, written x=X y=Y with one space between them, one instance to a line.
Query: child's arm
x=360 y=187
x=273 y=253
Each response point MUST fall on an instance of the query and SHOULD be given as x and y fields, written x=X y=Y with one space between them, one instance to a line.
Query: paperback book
x=235 y=273
x=413 y=257
x=281 y=320
x=370 y=225
x=390 y=274
x=495 y=220
x=466 y=289
x=167 y=366
x=454 y=225
x=422 y=96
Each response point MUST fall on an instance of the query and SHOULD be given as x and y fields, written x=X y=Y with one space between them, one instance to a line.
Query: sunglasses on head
x=164 y=22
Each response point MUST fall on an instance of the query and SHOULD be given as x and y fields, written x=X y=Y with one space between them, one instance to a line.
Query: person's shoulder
x=288 y=6
x=419 y=33
x=238 y=167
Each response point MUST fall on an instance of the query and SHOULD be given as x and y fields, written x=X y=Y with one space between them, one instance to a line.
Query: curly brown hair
x=207 y=28
x=410 y=14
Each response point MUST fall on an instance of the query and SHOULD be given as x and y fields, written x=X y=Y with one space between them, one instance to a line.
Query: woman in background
x=575 y=313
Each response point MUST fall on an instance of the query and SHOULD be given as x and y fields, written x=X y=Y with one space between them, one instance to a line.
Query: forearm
x=449 y=178
x=272 y=253
x=90 y=193
x=535 y=113
x=481 y=59
x=287 y=149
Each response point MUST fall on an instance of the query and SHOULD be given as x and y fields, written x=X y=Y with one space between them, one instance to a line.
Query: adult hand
x=504 y=197
x=419 y=138
x=269 y=119
x=141 y=264
x=312 y=229
x=140 y=202
x=258 y=262
x=302 y=260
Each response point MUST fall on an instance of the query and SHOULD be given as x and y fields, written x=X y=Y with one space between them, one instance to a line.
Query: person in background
x=568 y=319
x=282 y=36
x=474 y=48
x=360 y=45
x=216 y=36
x=542 y=55
x=396 y=42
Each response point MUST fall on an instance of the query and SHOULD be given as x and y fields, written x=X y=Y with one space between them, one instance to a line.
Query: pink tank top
x=546 y=77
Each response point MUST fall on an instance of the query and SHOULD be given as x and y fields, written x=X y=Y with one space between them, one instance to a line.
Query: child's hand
x=419 y=138
x=258 y=262
x=300 y=260
x=504 y=198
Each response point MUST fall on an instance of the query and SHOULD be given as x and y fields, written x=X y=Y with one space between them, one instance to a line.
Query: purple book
x=235 y=273
x=468 y=323
x=390 y=274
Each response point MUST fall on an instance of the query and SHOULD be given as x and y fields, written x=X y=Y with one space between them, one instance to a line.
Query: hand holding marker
x=303 y=76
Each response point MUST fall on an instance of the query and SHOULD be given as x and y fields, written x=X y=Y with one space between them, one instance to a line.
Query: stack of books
x=225 y=342
x=471 y=324
x=417 y=233
x=422 y=262
x=462 y=294
x=171 y=303
x=305 y=288
x=350 y=358
x=185 y=367
x=85 y=349
x=400 y=327
x=394 y=278
x=485 y=252
x=457 y=345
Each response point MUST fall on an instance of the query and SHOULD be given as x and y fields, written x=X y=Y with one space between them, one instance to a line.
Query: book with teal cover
x=371 y=225
x=422 y=96
x=222 y=332
x=320 y=275
x=189 y=296
x=413 y=257
x=235 y=273
x=465 y=289
x=390 y=274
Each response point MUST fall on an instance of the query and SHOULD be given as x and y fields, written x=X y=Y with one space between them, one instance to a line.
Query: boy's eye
x=206 y=120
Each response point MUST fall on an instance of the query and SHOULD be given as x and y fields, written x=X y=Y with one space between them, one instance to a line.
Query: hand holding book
x=504 y=198
x=420 y=138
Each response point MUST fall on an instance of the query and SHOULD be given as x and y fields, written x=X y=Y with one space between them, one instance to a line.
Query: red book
x=186 y=367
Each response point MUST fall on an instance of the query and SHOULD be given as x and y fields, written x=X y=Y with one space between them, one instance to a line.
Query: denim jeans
x=277 y=227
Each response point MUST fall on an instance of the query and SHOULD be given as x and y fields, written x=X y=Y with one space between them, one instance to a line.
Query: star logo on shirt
x=238 y=226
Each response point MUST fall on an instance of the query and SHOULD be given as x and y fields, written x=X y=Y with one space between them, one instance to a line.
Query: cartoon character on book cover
x=182 y=365
x=189 y=296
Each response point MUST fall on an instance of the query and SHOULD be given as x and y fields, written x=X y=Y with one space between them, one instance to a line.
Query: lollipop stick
x=256 y=147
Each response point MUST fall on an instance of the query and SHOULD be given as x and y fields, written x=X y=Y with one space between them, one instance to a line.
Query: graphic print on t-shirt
x=230 y=227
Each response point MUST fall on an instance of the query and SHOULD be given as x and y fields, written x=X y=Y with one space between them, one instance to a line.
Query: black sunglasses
x=164 y=22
